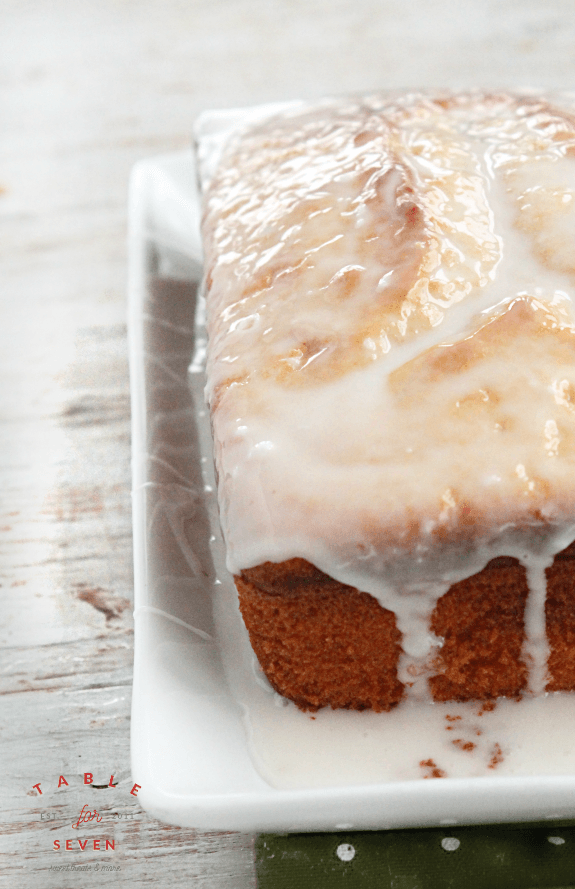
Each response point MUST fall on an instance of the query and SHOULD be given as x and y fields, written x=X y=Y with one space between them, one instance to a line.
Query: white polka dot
x=345 y=852
x=450 y=844
x=557 y=841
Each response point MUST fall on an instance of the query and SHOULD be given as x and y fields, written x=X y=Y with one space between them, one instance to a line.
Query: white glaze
x=335 y=451
x=514 y=739
x=536 y=648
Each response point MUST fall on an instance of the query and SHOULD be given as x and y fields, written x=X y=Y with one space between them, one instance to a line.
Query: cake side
x=321 y=643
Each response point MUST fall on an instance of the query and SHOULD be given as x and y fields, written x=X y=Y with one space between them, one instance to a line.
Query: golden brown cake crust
x=560 y=620
x=322 y=643
x=480 y=621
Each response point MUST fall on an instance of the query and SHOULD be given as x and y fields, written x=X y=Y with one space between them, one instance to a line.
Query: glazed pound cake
x=391 y=373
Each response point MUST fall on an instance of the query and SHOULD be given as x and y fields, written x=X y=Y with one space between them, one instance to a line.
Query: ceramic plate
x=212 y=746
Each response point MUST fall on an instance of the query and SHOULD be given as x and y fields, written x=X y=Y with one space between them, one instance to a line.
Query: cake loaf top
x=391 y=366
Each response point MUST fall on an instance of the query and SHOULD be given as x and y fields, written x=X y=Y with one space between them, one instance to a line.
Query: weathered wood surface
x=86 y=89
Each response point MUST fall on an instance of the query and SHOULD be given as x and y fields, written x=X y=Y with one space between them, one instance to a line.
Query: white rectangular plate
x=193 y=749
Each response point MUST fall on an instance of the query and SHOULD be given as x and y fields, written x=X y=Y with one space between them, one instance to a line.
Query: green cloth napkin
x=486 y=857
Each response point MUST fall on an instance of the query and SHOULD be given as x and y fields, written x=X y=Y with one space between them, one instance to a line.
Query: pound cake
x=389 y=285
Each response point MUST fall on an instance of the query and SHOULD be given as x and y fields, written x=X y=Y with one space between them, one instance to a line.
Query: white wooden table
x=86 y=89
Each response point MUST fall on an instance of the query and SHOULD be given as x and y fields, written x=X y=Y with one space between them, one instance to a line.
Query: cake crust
x=321 y=643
